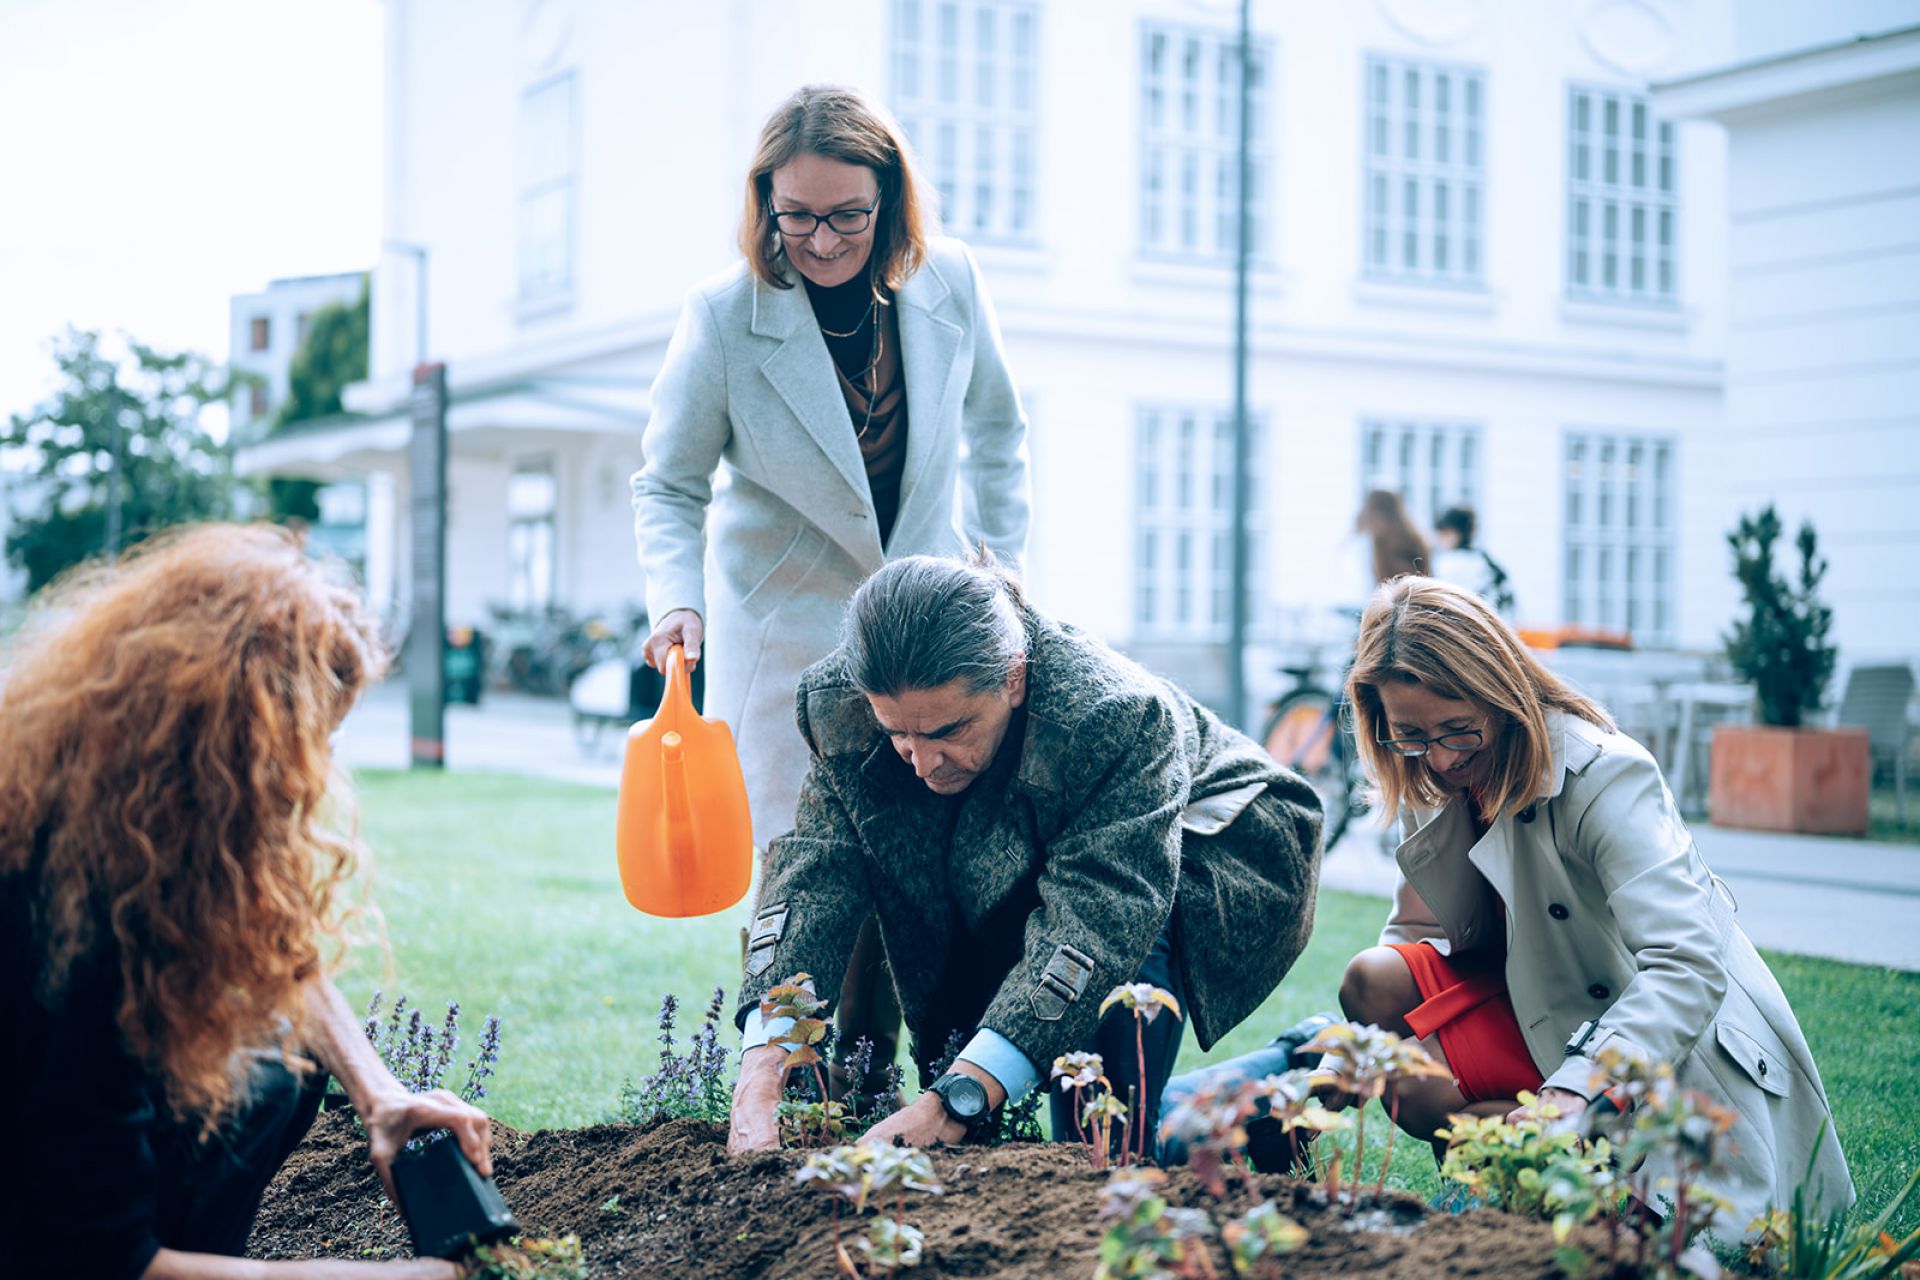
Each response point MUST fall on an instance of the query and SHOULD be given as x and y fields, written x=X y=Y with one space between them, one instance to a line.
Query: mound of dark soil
x=687 y=1209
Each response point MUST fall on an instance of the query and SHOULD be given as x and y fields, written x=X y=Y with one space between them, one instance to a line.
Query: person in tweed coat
x=1033 y=819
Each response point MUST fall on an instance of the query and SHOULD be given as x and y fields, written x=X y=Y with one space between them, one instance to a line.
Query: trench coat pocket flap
x=1764 y=1064
x=1210 y=815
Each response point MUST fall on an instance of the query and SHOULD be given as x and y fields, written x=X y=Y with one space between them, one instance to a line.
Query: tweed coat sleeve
x=1107 y=885
x=814 y=892
x=995 y=497
x=1662 y=901
x=686 y=431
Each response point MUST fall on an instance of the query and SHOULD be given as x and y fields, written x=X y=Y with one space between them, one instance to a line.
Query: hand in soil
x=753 y=1122
x=395 y=1117
x=922 y=1123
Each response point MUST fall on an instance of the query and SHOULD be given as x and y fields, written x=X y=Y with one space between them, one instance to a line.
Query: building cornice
x=1825 y=75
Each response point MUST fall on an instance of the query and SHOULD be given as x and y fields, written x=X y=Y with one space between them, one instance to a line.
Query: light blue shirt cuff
x=994 y=1054
x=757 y=1031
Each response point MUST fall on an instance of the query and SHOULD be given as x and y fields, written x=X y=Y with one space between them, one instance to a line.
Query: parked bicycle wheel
x=1306 y=733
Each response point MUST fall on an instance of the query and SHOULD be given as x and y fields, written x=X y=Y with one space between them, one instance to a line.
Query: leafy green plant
x=1256 y=1239
x=1781 y=645
x=690 y=1085
x=1794 y=1244
x=1533 y=1169
x=1362 y=1060
x=1146 y=1001
x=1149 y=1238
x=525 y=1258
x=864 y=1176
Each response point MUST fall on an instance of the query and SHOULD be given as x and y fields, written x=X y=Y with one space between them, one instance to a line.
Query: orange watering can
x=685 y=837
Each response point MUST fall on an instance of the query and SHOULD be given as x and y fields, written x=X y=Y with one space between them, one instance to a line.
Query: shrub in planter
x=1778 y=775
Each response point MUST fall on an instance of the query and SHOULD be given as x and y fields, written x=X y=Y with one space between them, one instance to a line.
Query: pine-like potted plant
x=1781 y=774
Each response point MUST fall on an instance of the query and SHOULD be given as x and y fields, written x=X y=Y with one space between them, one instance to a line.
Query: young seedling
x=1146 y=1001
x=1102 y=1113
x=1211 y=1123
x=1659 y=1125
x=1363 y=1060
x=1076 y=1073
x=523 y=1258
x=867 y=1175
x=1257 y=1238
x=1289 y=1098
x=1149 y=1238
x=1533 y=1169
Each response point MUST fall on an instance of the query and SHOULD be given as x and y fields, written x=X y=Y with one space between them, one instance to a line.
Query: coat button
x=1763 y=1066
x=1526 y=814
x=1557 y=911
x=1598 y=992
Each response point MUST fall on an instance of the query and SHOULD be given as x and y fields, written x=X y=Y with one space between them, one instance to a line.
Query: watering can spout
x=684 y=835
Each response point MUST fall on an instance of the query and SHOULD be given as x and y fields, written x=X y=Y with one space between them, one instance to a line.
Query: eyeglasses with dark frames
x=1458 y=740
x=798 y=224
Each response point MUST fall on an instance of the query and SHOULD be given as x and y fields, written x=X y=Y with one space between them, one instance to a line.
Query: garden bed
x=666 y=1200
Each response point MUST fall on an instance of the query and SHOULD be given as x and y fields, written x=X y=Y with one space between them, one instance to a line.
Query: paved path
x=1843 y=899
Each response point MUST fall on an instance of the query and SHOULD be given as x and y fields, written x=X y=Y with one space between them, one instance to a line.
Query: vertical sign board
x=426 y=634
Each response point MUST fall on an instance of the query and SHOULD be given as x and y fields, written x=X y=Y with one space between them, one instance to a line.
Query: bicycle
x=1310 y=731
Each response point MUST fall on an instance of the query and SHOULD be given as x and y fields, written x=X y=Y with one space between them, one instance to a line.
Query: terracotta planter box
x=1807 y=780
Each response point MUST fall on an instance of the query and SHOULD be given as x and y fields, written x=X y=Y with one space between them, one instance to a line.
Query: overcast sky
x=158 y=156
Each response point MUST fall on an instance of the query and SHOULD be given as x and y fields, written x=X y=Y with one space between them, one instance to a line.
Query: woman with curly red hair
x=171 y=902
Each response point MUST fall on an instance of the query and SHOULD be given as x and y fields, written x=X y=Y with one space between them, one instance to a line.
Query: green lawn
x=501 y=892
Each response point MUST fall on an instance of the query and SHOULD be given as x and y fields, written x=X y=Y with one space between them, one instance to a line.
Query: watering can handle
x=678 y=691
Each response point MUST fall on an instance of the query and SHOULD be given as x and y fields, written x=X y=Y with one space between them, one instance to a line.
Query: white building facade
x=1821 y=108
x=1486 y=270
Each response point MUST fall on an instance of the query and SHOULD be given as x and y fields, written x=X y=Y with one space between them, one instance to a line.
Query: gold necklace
x=858 y=327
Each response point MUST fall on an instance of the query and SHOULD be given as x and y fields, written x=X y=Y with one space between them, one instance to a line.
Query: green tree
x=1781 y=645
x=334 y=355
x=117 y=453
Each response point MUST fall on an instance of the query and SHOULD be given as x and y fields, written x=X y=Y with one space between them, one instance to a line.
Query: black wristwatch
x=965 y=1099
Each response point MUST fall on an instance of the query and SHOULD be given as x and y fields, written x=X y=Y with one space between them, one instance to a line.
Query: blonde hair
x=163 y=791
x=1427 y=632
x=842 y=124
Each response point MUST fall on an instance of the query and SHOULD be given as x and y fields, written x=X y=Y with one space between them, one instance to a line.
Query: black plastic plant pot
x=449 y=1207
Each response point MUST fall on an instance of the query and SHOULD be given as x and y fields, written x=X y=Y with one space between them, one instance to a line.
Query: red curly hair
x=163 y=788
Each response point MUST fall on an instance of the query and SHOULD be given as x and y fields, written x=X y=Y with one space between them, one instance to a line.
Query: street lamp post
x=1242 y=442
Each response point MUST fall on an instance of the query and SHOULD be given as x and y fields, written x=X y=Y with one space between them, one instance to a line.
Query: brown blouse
x=863 y=337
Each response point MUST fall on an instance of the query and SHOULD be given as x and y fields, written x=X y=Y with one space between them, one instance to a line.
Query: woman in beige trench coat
x=1550 y=882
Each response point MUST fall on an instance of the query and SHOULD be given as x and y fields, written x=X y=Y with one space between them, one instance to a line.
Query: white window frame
x=1190 y=144
x=1431 y=464
x=549 y=185
x=1183 y=522
x=1424 y=172
x=1619 y=522
x=966 y=92
x=1623 y=215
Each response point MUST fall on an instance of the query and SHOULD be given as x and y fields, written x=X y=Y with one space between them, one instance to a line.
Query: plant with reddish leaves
x=1083 y=1075
x=812 y=1120
x=1362 y=1060
x=1212 y=1123
x=1146 y=1001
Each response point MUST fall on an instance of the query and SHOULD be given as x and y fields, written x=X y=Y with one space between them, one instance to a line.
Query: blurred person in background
x=1398 y=547
x=1457 y=558
x=170 y=906
x=849 y=374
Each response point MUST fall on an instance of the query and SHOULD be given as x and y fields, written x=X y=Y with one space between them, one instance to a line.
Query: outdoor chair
x=1876 y=700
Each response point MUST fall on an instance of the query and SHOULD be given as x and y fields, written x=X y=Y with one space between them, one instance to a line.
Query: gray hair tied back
x=925 y=621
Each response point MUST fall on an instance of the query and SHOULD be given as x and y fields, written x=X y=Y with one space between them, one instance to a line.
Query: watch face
x=964 y=1096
